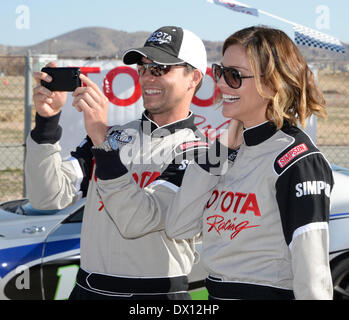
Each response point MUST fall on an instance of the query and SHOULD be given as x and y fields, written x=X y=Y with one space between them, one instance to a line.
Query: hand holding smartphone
x=63 y=79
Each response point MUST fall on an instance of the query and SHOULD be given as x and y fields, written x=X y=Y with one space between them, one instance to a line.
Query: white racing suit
x=125 y=251
x=264 y=221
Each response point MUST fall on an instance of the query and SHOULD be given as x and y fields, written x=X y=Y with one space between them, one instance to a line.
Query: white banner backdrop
x=120 y=84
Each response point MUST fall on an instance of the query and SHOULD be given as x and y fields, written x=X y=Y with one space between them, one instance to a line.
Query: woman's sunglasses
x=156 y=70
x=232 y=77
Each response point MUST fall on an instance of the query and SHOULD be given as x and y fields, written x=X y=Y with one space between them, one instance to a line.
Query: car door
x=61 y=257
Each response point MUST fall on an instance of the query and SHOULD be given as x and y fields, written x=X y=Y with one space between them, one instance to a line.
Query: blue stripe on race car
x=11 y=258
x=339 y=215
x=54 y=247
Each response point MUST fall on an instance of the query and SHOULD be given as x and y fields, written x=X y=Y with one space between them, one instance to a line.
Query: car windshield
x=340 y=169
x=23 y=207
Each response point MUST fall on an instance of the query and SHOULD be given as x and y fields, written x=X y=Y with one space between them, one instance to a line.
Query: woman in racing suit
x=264 y=211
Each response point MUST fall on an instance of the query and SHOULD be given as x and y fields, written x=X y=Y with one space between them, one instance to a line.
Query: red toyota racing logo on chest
x=146 y=178
x=237 y=204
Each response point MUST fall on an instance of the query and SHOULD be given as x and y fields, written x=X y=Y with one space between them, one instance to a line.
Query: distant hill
x=86 y=42
x=105 y=42
x=96 y=42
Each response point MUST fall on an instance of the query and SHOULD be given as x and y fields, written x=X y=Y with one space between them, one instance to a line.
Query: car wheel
x=340 y=277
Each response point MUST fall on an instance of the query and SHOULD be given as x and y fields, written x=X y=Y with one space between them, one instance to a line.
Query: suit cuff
x=108 y=164
x=47 y=130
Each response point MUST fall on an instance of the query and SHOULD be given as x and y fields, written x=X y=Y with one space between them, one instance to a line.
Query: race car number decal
x=66 y=282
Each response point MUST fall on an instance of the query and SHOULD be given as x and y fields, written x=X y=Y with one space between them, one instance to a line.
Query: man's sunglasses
x=232 y=76
x=156 y=70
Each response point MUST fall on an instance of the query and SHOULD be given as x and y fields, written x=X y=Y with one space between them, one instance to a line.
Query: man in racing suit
x=124 y=171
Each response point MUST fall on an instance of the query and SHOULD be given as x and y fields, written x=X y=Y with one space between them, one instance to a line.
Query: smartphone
x=63 y=79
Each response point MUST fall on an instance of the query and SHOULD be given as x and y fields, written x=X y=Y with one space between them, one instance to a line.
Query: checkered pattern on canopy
x=312 y=38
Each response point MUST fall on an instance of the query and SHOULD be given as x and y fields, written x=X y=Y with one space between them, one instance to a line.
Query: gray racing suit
x=127 y=195
x=264 y=221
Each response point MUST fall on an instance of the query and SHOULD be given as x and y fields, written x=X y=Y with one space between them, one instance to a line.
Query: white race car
x=339 y=233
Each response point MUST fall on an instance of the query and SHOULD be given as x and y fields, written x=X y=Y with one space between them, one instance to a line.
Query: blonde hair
x=277 y=62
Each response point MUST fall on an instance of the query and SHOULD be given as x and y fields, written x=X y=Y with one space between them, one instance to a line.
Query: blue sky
x=50 y=18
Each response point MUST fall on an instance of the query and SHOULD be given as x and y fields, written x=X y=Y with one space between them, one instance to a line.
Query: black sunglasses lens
x=156 y=70
x=159 y=70
x=232 y=78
